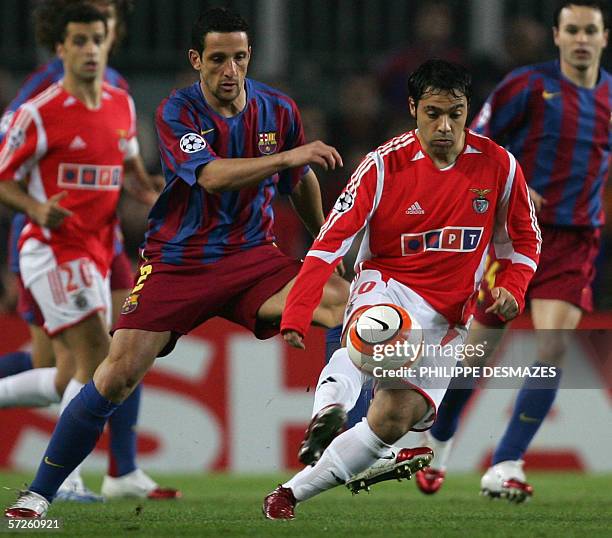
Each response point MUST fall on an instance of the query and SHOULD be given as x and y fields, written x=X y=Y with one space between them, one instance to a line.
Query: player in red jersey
x=46 y=384
x=72 y=141
x=430 y=202
x=555 y=116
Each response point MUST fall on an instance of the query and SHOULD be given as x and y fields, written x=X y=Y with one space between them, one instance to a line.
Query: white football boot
x=136 y=484
x=506 y=480
x=74 y=490
x=394 y=467
x=28 y=505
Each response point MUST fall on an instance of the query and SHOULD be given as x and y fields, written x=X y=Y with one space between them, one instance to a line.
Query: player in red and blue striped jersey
x=555 y=117
x=209 y=249
x=193 y=134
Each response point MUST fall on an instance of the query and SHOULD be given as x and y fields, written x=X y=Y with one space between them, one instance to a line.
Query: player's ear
x=59 y=50
x=555 y=35
x=412 y=107
x=195 y=59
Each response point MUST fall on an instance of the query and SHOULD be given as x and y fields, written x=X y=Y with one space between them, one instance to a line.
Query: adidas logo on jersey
x=77 y=143
x=415 y=209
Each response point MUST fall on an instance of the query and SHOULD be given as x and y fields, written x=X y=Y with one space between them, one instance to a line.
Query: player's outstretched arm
x=350 y=214
x=49 y=214
x=233 y=174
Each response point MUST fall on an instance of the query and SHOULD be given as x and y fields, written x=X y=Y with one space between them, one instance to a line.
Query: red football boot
x=280 y=504
x=429 y=480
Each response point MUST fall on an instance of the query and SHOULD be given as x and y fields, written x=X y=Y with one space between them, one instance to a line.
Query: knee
x=552 y=351
x=115 y=379
x=392 y=426
x=399 y=424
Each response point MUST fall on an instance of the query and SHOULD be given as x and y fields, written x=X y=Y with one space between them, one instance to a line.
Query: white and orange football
x=384 y=336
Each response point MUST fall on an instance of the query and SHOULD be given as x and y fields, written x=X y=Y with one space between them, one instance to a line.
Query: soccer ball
x=384 y=336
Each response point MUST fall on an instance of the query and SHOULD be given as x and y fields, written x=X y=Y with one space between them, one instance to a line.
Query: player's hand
x=538 y=200
x=504 y=305
x=294 y=339
x=340 y=270
x=51 y=214
x=327 y=157
x=146 y=194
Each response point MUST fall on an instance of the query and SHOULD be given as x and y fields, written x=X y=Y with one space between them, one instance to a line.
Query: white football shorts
x=70 y=293
x=370 y=288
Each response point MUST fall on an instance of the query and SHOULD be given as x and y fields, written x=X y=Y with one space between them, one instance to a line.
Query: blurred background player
x=555 y=117
x=227 y=143
x=418 y=271
x=47 y=385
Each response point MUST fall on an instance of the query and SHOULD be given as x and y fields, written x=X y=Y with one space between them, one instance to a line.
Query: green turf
x=224 y=506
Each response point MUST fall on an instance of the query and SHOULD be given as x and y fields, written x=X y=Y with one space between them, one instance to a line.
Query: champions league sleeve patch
x=344 y=202
x=192 y=142
x=16 y=138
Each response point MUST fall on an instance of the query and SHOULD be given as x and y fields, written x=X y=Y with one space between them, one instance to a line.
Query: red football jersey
x=427 y=228
x=64 y=146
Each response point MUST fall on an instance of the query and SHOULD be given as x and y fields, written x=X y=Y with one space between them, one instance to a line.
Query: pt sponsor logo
x=448 y=239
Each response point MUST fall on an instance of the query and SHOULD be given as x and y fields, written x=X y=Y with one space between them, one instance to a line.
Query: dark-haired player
x=227 y=144
x=555 y=117
x=430 y=202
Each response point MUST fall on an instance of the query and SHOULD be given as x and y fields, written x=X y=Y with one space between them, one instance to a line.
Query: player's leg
x=340 y=384
x=391 y=415
x=40 y=386
x=440 y=437
x=122 y=423
x=87 y=344
x=131 y=354
x=485 y=329
x=559 y=292
x=124 y=479
x=42 y=354
x=333 y=304
x=15 y=362
x=551 y=318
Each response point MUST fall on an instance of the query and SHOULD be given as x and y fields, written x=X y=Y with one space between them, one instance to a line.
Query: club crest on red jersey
x=267 y=143
x=480 y=203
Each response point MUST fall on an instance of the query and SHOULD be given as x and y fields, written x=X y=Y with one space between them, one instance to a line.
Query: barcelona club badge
x=267 y=143
x=480 y=203
x=130 y=304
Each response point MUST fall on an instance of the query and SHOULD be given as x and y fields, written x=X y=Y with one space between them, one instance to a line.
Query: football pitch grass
x=220 y=505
